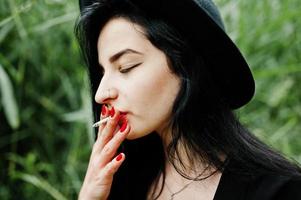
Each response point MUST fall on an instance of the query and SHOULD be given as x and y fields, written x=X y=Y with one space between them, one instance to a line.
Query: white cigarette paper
x=97 y=124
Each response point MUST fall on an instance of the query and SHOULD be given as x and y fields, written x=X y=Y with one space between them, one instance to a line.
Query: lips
x=122 y=117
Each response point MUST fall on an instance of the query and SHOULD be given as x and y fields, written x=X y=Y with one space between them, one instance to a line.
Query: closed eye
x=126 y=70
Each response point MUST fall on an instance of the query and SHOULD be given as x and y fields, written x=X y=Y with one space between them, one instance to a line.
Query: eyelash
x=124 y=71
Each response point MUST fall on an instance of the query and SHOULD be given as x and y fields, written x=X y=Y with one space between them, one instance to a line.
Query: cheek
x=152 y=98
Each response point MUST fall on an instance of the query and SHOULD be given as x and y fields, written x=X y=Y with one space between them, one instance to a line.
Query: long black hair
x=201 y=121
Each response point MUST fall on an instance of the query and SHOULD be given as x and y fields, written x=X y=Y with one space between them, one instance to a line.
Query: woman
x=169 y=77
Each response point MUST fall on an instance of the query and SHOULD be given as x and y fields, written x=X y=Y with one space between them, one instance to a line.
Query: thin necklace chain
x=172 y=194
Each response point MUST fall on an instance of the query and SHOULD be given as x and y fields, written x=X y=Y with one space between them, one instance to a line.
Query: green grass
x=268 y=35
x=45 y=111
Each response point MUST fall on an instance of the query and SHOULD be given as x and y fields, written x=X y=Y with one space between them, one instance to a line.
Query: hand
x=102 y=165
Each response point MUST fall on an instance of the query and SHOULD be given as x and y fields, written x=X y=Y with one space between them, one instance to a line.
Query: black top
x=258 y=187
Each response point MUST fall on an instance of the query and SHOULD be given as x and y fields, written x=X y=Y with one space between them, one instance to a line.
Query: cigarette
x=97 y=124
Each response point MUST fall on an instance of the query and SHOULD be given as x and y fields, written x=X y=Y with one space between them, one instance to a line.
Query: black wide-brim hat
x=200 y=22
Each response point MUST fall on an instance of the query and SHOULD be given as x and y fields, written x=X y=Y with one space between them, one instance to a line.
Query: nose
x=105 y=94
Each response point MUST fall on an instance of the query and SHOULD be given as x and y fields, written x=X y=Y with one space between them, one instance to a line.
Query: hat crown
x=210 y=8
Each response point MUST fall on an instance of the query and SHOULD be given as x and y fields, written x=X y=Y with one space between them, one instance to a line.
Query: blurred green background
x=45 y=111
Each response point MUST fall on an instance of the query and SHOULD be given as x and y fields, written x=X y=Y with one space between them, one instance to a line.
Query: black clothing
x=258 y=187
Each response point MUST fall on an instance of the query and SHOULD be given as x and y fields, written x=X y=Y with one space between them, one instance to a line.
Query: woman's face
x=139 y=79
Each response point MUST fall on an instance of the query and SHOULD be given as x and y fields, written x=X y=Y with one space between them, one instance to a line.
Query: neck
x=192 y=169
x=180 y=187
x=183 y=161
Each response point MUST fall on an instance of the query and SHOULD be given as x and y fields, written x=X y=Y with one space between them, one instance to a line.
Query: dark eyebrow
x=115 y=57
x=123 y=52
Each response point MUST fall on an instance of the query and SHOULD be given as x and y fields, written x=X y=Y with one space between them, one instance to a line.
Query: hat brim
x=229 y=68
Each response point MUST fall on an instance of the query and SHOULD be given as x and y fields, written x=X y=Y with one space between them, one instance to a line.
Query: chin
x=134 y=135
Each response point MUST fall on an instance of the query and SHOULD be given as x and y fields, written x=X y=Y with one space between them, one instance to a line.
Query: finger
x=104 y=113
x=111 y=168
x=109 y=129
x=112 y=146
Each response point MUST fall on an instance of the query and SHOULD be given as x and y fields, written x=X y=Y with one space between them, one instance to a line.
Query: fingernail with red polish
x=124 y=125
x=103 y=110
x=119 y=157
x=121 y=120
x=112 y=112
